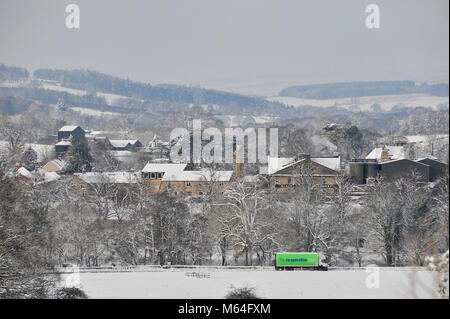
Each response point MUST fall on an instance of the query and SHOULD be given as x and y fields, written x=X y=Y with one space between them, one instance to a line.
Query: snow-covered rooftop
x=198 y=176
x=68 y=128
x=122 y=143
x=47 y=176
x=63 y=143
x=429 y=157
x=396 y=152
x=276 y=164
x=333 y=163
x=402 y=159
x=59 y=163
x=169 y=168
x=24 y=172
x=110 y=177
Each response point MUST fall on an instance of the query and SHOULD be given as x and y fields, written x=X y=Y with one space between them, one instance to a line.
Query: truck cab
x=323 y=264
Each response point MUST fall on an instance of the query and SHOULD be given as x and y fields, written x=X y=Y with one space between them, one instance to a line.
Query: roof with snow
x=122 y=143
x=167 y=168
x=404 y=160
x=277 y=164
x=68 y=128
x=22 y=171
x=333 y=163
x=396 y=152
x=198 y=176
x=63 y=143
x=47 y=176
x=274 y=164
x=60 y=164
x=109 y=177
x=429 y=157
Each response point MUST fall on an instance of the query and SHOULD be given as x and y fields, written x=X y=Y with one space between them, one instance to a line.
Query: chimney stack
x=238 y=165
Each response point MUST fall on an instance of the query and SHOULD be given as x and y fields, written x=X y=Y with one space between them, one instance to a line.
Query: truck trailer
x=302 y=261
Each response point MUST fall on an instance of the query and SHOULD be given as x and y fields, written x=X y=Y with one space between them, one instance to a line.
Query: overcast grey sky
x=212 y=42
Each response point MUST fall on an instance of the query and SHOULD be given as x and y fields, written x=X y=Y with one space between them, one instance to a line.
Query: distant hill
x=92 y=81
x=12 y=73
x=358 y=89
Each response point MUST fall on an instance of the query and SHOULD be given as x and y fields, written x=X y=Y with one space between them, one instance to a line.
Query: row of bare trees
x=402 y=220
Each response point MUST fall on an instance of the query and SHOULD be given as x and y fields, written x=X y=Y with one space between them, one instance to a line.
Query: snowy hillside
x=386 y=102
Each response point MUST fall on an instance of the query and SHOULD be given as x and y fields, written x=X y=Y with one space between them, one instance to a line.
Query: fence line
x=156 y=268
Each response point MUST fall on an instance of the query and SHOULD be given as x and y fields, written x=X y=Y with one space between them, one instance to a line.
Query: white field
x=386 y=102
x=92 y=112
x=268 y=284
x=109 y=98
x=423 y=139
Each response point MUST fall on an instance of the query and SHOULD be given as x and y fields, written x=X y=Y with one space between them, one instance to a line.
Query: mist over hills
x=94 y=93
x=359 y=89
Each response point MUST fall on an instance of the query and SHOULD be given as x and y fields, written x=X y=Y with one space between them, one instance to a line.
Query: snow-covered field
x=393 y=283
x=386 y=102
x=92 y=112
x=422 y=139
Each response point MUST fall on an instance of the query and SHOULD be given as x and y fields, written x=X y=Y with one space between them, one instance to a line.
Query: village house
x=125 y=145
x=285 y=173
x=62 y=147
x=34 y=177
x=55 y=165
x=70 y=131
x=195 y=183
x=86 y=182
x=178 y=179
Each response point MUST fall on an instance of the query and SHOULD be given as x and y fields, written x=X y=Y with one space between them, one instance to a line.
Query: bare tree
x=247 y=220
x=24 y=233
x=309 y=216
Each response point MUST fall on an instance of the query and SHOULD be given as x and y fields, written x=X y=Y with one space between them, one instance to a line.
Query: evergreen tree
x=79 y=156
x=29 y=159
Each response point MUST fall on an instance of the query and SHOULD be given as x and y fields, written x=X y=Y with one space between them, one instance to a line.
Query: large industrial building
x=381 y=162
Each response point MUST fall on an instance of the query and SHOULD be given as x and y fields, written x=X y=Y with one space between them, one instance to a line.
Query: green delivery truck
x=291 y=261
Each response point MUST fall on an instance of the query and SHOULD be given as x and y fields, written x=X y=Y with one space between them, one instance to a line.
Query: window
x=160 y=175
x=289 y=180
x=152 y=175
x=188 y=184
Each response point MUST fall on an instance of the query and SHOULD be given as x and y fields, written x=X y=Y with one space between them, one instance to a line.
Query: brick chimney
x=238 y=165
